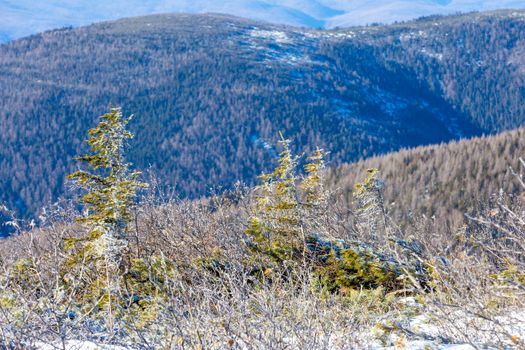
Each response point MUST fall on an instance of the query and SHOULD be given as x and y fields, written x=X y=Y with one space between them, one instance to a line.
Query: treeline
x=210 y=94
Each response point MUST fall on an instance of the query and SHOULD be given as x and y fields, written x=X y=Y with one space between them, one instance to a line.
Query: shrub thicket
x=180 y=274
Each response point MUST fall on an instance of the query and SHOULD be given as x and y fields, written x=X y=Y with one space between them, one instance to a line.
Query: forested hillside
x=442 y=182
x=211 y=93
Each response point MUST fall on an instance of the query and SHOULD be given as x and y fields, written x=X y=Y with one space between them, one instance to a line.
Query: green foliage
x=113 y=285
x=344 y=267
x=148 y=280
x=23 y=274
x=100 y=258
x=285 y=228
x=314 y=199
x=22 y=267
x=214 y=263
x=370 y=184
x=356 y=269
x=512 y=274
x=287 y=206
x=314 y=192
x=110 y=195
x=276 y=227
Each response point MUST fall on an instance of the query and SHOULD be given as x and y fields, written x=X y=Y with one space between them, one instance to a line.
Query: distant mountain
x=22 y=17
x=388 y=11
x=211 y=93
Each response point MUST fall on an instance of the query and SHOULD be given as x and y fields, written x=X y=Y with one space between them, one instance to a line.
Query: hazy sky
x=23 y=17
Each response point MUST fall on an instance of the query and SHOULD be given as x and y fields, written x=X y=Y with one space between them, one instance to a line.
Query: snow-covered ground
x=288 y=53
x=421 y=331
x=437 y=330
x=277 y=36
x=78 y=345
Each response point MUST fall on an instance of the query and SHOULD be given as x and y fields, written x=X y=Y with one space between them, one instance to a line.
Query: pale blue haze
x=19 y=18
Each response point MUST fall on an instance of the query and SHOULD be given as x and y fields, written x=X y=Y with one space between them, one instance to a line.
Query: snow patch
x=330 y=35
x=277 y=36
x=77 y=345
x=426 y=330
x=437 y=55
x=413 y=35
x=278 y=46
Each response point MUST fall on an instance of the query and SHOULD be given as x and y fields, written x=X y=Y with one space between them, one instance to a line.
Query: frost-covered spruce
x=98 y=258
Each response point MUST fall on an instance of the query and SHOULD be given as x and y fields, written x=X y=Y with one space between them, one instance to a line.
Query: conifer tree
x=312 y=185
x=275 y=227
x=111 y=188
x=314 y=203
x=371 y=216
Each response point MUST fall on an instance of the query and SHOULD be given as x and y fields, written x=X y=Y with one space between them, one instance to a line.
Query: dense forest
x=210 y=94
x=442 y=182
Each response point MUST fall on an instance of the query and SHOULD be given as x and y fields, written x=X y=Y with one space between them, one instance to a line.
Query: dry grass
x=477 y=284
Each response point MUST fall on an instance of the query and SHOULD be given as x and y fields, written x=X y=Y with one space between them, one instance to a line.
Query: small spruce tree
x=288 y=207
x=314 y=204
x=111 y=190
x=368 y=196
x=275 y=226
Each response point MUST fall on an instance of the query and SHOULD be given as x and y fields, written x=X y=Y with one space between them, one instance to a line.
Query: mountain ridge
x=24 y=18
x=211 y=94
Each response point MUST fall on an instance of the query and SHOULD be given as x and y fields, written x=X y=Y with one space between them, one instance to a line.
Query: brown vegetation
x=196 y=256
x=441 y=182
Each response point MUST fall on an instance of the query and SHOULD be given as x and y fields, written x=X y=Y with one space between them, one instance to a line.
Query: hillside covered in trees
x=210 y=93
x=443 y=182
